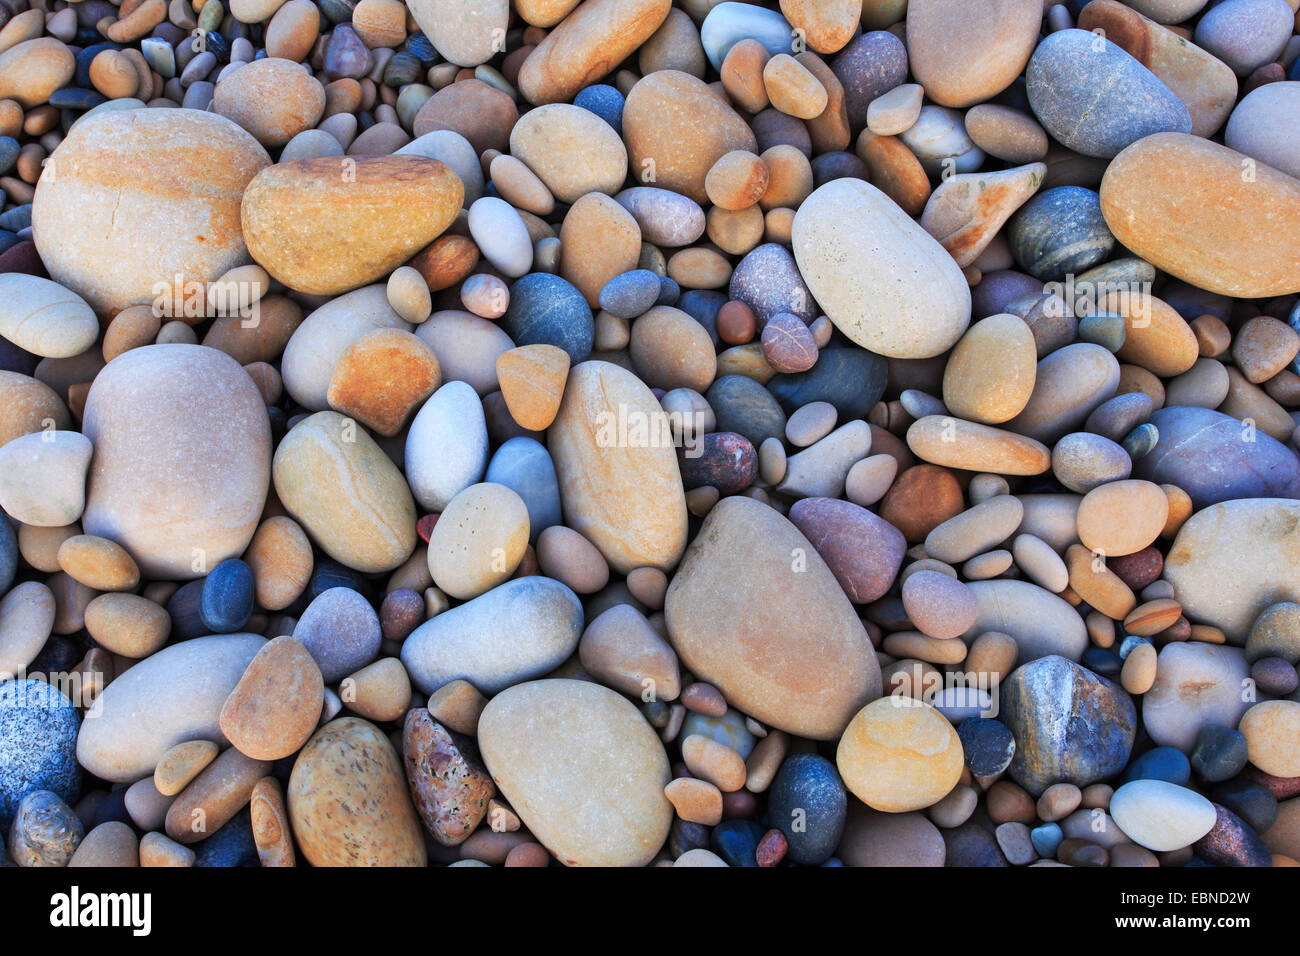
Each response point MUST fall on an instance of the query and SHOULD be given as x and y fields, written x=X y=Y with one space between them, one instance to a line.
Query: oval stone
x=582 y=768
x=1161 y=816
x=755 y=611
x=899 y=754
x=966 y=52
x=1040 y=622
x=909 y=302
x=168 y=698
x=162 y=419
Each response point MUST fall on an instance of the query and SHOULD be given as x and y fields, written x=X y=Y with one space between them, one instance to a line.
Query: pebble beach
x=649 y=433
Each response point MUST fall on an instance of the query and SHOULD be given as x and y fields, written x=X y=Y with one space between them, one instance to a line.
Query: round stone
x=899 y=754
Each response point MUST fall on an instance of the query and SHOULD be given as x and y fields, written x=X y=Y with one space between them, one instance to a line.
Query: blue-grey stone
x=729 y=729
x=340 y=630
x=8 y=553
x=13 y=358
x=1215 y=457
x=328 y=574
x=630 y=294
x=45 y=831
x=402 y=69
x=83 y=59
x=729 y=23
x=419 y=46
x=1070 y=725
x=972 y=845
x=1250 y=801
x=1060 y=231
x=807 y=802
x=1160 y=763
x=1094 y=98
x=605 y=101
x=736 y=841
x=869 y=67
x=38 y=744
x=1219 y=754
x=232 y=845
x=1141 y=441
x=987 y=745
x=547 y=310
x=1103 y=661
x=850 y=378
x=524 y=466
x=742 y=405
x=76 y=99
x=1106 y=329
x=684 y=836
x=768 y=281
x=226 y=601
x=9 y=149
x=702 y=305
x=17 y=219
x=669 y=291
x=1046 y=838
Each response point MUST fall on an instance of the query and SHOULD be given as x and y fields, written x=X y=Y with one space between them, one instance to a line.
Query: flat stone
x=276 y=705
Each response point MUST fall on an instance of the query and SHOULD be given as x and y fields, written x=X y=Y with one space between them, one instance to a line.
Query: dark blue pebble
x=183 y=607
x=1160 y=763
x=605 y=101
x=988 y=745
x=231 y=846
x=870 y=66
x=850 y=378
x=328 y=573
x=8 y=553
x=702 y=305
x=402 y=69
x=669 y=292
x=1190 y=302
x=742 y=405
x=418 y=45
x=76 y=99
x=219 y=46
x=226 y=602
x=972 y=845
x=838 y=165
x=736 y=841
x=59 y=655
x=9 y=150
x=547 y=310
x=807 y=803
x=17 y=219
x=38 y=744
x=1101 y=660
x=1060 y=231
x=630 y=294
x=684 y=836
x=8 y=239
x=1250 y=801
x=1219 y=753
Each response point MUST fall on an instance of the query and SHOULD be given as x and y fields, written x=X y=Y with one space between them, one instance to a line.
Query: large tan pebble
x=98 y=563
x=274 y=99
x=571 y=150
x=792 y=89
x=45 y=318
x=1097 y=585
x=181 y=764
x=478 y=541
x=276 y=704
x=568 y=557
x=992 y=656
x=173 y=696
x=1156 y=337
x=954 y=443
x=27 y=615
x=755 y=611
x=158 y=849
x=676 y=128
x=221 y=790
x=162 y=419
x=121 y=221
x=582 y=769
x=1185 y=205
x=1271 y=728
x=382 y=377
x=966 y=52
x=696 y=801
x=293 y=30
x=369 y=523
x=715 y=762
x=599 y=240
x=382 y=23
x=43 y=477
x=617 y=467
x=671 y=350
x=380 y=691
x=899 y=754
x=1139 y=671
x=281 y=560
x=348 y=800
x=32 y=70
x=323 y=226
x=532 y=381
x=128 y=624
x=990 y=374
x=912 y=302
x=587 y=45
x=1122 y=517
x=620 y=649
x=737 y=180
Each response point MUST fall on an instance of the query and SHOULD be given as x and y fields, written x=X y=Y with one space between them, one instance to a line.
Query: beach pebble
x=38 y=739
x=276 y=705
x=898 y=754
x=340 y=631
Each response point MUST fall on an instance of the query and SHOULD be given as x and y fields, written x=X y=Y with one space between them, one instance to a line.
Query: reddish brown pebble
x=788 y=344
x=736 y=323
x=771 y=848
x=400 y=614
x=704 y=699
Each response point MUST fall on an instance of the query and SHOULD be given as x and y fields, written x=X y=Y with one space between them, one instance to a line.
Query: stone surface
x=583 y=770
x=38 y=740
x=899 y=754
x=731 y=613
x=276 y=705
x=449 y=785
x=160 y=418
x=964 y=53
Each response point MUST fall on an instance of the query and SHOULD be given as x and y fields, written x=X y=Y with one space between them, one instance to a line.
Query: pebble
x=38 y=740
x=449 y=785
x=44 y=832
x=340 y=631
x=348 y=800
x=808 y=803
x=898 y=754
x=1220 y=753
x=717 y=626
x=43 y=477
x=276 y=705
